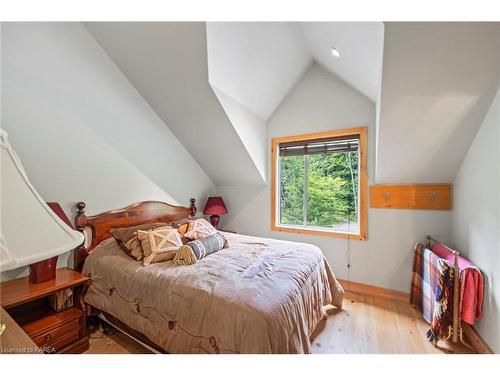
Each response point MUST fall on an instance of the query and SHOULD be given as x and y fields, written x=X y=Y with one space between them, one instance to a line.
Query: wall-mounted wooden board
x=419 y=196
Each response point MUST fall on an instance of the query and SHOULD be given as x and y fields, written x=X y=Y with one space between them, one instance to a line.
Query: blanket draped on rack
x=471 y=284
x=432 y=291
x=432 y=288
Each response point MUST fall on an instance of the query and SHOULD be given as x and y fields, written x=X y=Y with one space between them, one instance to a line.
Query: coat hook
x=433 y=196
x=387 y=196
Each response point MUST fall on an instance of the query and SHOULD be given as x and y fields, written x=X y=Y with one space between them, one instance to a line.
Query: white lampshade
x=29 y=230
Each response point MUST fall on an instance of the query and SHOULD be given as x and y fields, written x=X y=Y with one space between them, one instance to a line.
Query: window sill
x=318 y=232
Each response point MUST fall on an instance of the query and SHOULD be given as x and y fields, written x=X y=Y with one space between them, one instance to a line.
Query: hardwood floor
x=365 y=325
x=375 y=325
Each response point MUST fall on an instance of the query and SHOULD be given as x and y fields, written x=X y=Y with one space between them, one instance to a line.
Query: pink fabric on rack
x=471 y=286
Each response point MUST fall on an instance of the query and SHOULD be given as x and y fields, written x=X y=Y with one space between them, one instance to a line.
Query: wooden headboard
x=139 y=213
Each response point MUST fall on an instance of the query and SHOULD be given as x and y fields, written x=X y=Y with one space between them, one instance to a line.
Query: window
x=319 y=184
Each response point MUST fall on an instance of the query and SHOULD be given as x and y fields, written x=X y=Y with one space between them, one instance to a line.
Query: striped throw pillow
x=198 y=249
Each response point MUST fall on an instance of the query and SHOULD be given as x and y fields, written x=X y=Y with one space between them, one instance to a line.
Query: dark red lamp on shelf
x=215 y=206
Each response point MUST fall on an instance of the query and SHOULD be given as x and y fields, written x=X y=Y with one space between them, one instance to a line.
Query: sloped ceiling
x=252 y=66
x=167 y=63
x=256 y=63
x=361 y=48
x=438 y=82
x=216 y=85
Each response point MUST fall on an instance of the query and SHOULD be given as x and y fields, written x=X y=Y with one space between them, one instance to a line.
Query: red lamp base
x=44 y=270
x=214 y=220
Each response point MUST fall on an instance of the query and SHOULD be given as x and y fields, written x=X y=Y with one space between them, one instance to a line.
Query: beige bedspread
x=258 y=296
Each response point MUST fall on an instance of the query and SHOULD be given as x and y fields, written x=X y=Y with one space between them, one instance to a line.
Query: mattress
x=259 y=295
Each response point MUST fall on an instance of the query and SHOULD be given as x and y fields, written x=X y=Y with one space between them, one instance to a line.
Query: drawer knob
x=48 y=337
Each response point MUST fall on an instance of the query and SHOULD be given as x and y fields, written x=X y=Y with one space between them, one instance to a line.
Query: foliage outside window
x=317 y=184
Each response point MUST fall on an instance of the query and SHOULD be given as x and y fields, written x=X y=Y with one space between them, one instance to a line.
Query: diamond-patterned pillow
x=159 y=245
x=197 y=229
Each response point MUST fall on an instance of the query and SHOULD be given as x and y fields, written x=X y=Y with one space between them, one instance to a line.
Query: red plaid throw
x=424 y=279
x=427 y=280
x=443 y=310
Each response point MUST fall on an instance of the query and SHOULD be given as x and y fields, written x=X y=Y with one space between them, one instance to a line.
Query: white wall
x=321 y=102
x=82 y=131
x=476 y=217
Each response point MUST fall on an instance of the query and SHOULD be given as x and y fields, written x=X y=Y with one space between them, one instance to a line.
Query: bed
x=259 y=295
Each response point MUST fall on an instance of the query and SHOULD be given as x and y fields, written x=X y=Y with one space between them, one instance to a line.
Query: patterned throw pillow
x=127 y=238
x=197 y=229
x=159 y=245
x=198 y=249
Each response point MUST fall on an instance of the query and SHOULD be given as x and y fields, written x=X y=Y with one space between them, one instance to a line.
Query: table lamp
x=30 y=230
x=215 y=206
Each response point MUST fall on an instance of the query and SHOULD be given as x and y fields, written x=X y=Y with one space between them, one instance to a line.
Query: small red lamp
x=215 y=206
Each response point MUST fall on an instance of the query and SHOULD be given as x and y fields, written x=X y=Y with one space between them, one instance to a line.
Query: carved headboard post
x=193 y=208
x=80 y=218
x=80 y=222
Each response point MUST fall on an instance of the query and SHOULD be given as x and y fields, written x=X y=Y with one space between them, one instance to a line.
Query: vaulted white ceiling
x=216 y=84
x=167 y=63
x=252 y=66
x=360 y=45
x=256 y=63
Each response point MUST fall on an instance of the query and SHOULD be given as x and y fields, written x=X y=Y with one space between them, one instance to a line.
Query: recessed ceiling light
x=335 y=52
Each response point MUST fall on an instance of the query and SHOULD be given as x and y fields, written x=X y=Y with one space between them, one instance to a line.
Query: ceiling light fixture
x=335 y=52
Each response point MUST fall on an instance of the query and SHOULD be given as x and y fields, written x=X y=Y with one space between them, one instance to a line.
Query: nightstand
x=55 y=332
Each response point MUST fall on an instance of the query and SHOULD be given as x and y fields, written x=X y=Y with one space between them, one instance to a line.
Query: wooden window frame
x=362 y=133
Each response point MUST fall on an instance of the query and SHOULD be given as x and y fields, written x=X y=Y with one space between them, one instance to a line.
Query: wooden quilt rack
x=455 y=331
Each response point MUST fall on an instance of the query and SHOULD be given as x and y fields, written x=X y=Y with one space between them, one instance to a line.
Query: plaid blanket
x=430 y=291
x=423 y=281
x=442 y=316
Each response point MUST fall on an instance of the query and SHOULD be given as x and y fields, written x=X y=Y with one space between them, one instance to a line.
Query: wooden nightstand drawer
x=50 y=338
x=43 y=321
x=60 y=342
x=53 y=330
